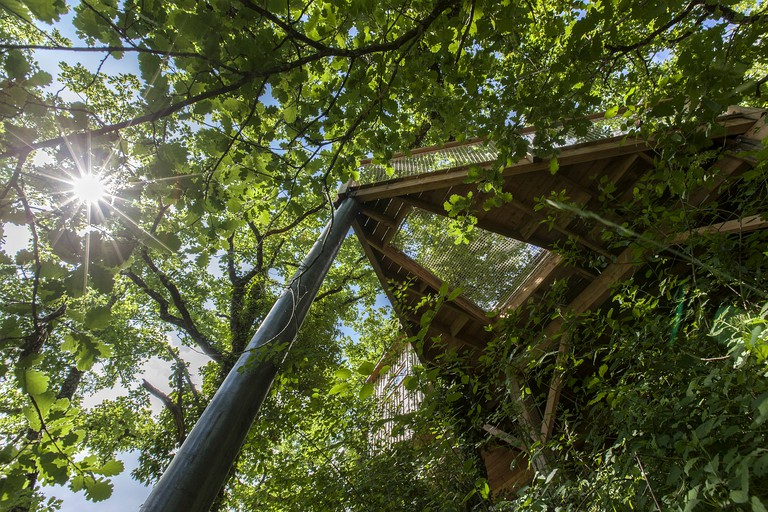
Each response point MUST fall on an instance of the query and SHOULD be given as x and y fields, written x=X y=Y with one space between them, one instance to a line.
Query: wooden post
x=200 y=468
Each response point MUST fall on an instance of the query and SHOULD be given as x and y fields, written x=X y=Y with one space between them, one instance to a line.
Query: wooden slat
x=504 y=436
x=442 y=330
x=458 y=324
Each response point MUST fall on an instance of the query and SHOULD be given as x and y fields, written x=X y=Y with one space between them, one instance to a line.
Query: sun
x=89 y=188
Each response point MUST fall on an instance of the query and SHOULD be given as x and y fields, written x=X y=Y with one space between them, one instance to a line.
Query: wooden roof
x=583 y=169
x=620 y=161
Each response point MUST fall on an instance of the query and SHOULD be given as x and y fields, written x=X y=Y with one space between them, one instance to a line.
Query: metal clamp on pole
x=200 y=467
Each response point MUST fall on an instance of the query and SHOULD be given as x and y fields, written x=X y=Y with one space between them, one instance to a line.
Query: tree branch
x=185 y=370
x=173 y=408
x=295 y=222
x=115 y=49
x=187 y=326
x=416 y=31
x=650 y=37
x=732 y=16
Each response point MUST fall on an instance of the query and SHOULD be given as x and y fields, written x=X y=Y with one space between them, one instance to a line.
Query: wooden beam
x=596 y=293
x=722 y=170
x=529 y=419
x=504 y=436
x=433 y=281
x=555 y=388
x=379 y=271
x=445 y=333
x=378 y=216
x=607 y=148
x=745 y=225
x=442 y=179
x=533 y=282
x=536 y=216
x=759 y=130
x=458 y=324
x=402 y=213
x=453 y=308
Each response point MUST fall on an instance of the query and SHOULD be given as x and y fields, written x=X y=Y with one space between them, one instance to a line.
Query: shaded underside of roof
x=513 y=255
x=397 y=211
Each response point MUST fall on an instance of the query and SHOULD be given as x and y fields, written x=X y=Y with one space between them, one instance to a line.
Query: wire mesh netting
x=442 y=159
x=488 y=269
x=477 y=153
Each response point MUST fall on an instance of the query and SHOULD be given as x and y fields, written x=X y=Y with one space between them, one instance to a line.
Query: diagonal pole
x=200 y=467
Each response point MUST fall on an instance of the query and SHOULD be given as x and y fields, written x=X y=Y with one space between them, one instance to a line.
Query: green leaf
x=46 y=10
x=33 y=418
x=53 y=466
x=342 y=374
x=760 y=404
x=611 y=112
x=366 y=391
x=554 y=165
x=40 y=79
x=411 y=382
x=111 y=468
x=44 y=402
x=483 y=488
x=101 y=279
x=366 y=368
x=339 y=388
x=452 y=397
x=739 y=496
x=34 y=382
x=97 y=490
x=98 y=317
x=454 y=294
x=17 y=65
x=757 y=505
x=289 y=113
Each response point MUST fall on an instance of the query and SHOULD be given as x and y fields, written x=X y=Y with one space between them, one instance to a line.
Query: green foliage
x=222 y=137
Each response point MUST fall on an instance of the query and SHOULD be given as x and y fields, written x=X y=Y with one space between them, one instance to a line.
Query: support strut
x=200 y=467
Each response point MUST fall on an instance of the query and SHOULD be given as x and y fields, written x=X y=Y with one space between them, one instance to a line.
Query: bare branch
x=182 y=365
x=187 y=326
x=173 y=408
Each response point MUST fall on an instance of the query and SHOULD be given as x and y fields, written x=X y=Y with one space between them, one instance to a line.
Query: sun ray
x=139 y=228
x=87 y=251
x=173 y=178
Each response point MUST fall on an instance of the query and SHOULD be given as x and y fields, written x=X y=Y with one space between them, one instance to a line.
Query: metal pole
x=200 y=467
